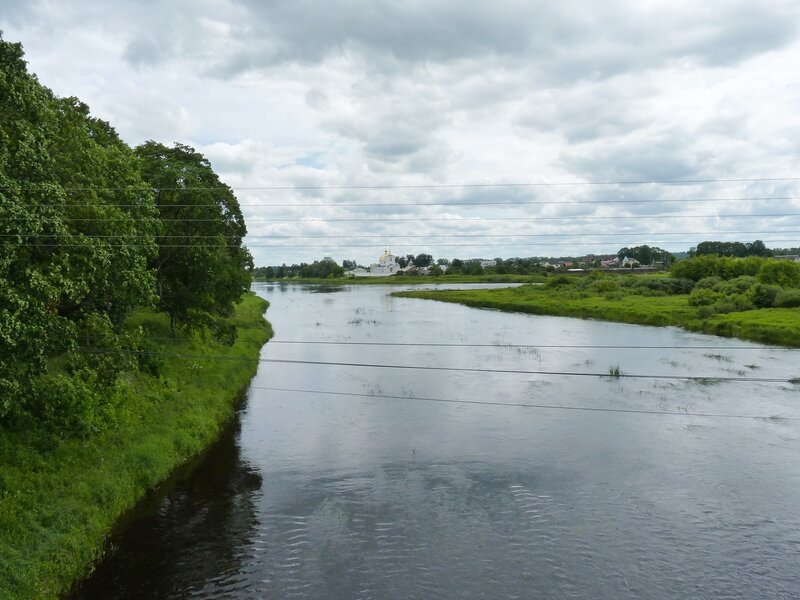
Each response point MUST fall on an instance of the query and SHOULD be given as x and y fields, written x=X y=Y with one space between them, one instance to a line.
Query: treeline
x=737 y=249
x=324 y=268
x=91 y=229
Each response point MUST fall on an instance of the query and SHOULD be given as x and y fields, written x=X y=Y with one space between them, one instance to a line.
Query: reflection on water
x=209 y=516
x=323 y=496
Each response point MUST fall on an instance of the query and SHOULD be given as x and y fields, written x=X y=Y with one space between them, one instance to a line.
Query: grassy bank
x=414 y=280
x=59 y=499
x=770 y=325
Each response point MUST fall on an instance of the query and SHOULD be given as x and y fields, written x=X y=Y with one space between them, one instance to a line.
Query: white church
x=386 y=266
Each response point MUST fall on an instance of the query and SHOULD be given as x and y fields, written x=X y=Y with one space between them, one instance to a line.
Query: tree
x=202 y=266
x=77 y=223
x=422 y=260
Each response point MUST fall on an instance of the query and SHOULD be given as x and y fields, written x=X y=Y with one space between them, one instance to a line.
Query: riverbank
x=412 y=280
x=59 y=499
x=779 y=326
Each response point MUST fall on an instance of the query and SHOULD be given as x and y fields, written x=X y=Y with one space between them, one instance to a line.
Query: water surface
x=336 y=496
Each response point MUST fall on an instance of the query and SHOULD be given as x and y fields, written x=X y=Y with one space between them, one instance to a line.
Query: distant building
x=629 y=262
x=488 y=264
x=792 y=257
x=609 y=263
x=386 y=266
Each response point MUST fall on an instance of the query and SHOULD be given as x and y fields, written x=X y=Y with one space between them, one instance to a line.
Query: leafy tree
x=737 y=249
x=77 y=233
x=202 y=268
x=423 y=260
x=647 y=255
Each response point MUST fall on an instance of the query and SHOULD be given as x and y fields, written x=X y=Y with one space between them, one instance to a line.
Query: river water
x=316 y=495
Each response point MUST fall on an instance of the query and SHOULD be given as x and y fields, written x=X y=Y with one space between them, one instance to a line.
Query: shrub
x=708 y=283
x=738 y=285
x=559 y=281
x=789 y=298
x=763 y=296
x=703 y=297
x=780 y=272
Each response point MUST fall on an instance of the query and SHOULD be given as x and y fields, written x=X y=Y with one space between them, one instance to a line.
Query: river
x=392 y=493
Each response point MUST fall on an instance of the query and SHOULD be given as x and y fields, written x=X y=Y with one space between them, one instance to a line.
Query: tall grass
x=59 y=499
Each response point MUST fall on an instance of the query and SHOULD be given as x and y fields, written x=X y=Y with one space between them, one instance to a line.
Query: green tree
x=77 y=233
x=202 y=268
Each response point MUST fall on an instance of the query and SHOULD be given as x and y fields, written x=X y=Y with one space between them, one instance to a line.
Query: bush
x=789 y=298
x=601 y=286
x=785 y=273
x=708 y=283
x=763 y=296
x=67 y=406
x=559 y=281
x=703 y=297
x=738 y=285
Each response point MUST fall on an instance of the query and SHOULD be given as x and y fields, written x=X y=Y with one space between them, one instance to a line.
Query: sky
x=348 y=127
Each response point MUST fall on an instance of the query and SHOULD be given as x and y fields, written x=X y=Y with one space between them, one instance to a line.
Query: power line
x=420 y=185
x=448 y=203
x=498 y=346
x=528 y=405
x=372 y=245
x=419 y=219
x=526 y=346
x=466 y=369
x=398 y=235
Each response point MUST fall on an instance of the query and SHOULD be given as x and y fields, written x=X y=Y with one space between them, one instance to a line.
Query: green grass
x=59 y=500
x=773 y=325
x=414 y=280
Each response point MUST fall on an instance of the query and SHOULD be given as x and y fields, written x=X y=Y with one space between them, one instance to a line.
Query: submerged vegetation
x=751 y=298
x=105 y=251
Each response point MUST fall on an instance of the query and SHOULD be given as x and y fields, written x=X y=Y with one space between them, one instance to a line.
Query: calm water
x=335 y=496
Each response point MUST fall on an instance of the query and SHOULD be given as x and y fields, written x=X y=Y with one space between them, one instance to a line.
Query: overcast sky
x=290 y=93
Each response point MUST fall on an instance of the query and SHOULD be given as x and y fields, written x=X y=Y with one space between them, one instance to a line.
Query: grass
x=59 y=500
x=779 y=326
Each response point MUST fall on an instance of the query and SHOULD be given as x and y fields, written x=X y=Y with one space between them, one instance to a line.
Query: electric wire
x=372 y=245
x=528 y=405
x=422 y=219
x=444 y=203
x=424 y=185
x=395 y=235
x=710 y=378
x=497 y=346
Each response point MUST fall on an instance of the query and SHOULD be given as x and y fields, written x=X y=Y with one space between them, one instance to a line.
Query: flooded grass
x=779 y=326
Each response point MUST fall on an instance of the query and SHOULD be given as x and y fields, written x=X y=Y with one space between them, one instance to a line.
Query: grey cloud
x=146 y=51
x=644 y=157
x=561 y=43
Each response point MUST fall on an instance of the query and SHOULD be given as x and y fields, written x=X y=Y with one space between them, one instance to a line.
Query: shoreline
x=61 y=500
x=775 y=326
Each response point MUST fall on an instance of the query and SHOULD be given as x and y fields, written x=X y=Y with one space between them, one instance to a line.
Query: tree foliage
x=79 y=251
x=737 y=249
x=202 y=268
x=77 y=231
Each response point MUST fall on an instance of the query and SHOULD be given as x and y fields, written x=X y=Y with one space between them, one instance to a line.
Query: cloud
x=344 y=93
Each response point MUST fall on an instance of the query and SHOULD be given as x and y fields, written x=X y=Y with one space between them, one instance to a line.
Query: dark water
x=335 y=496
